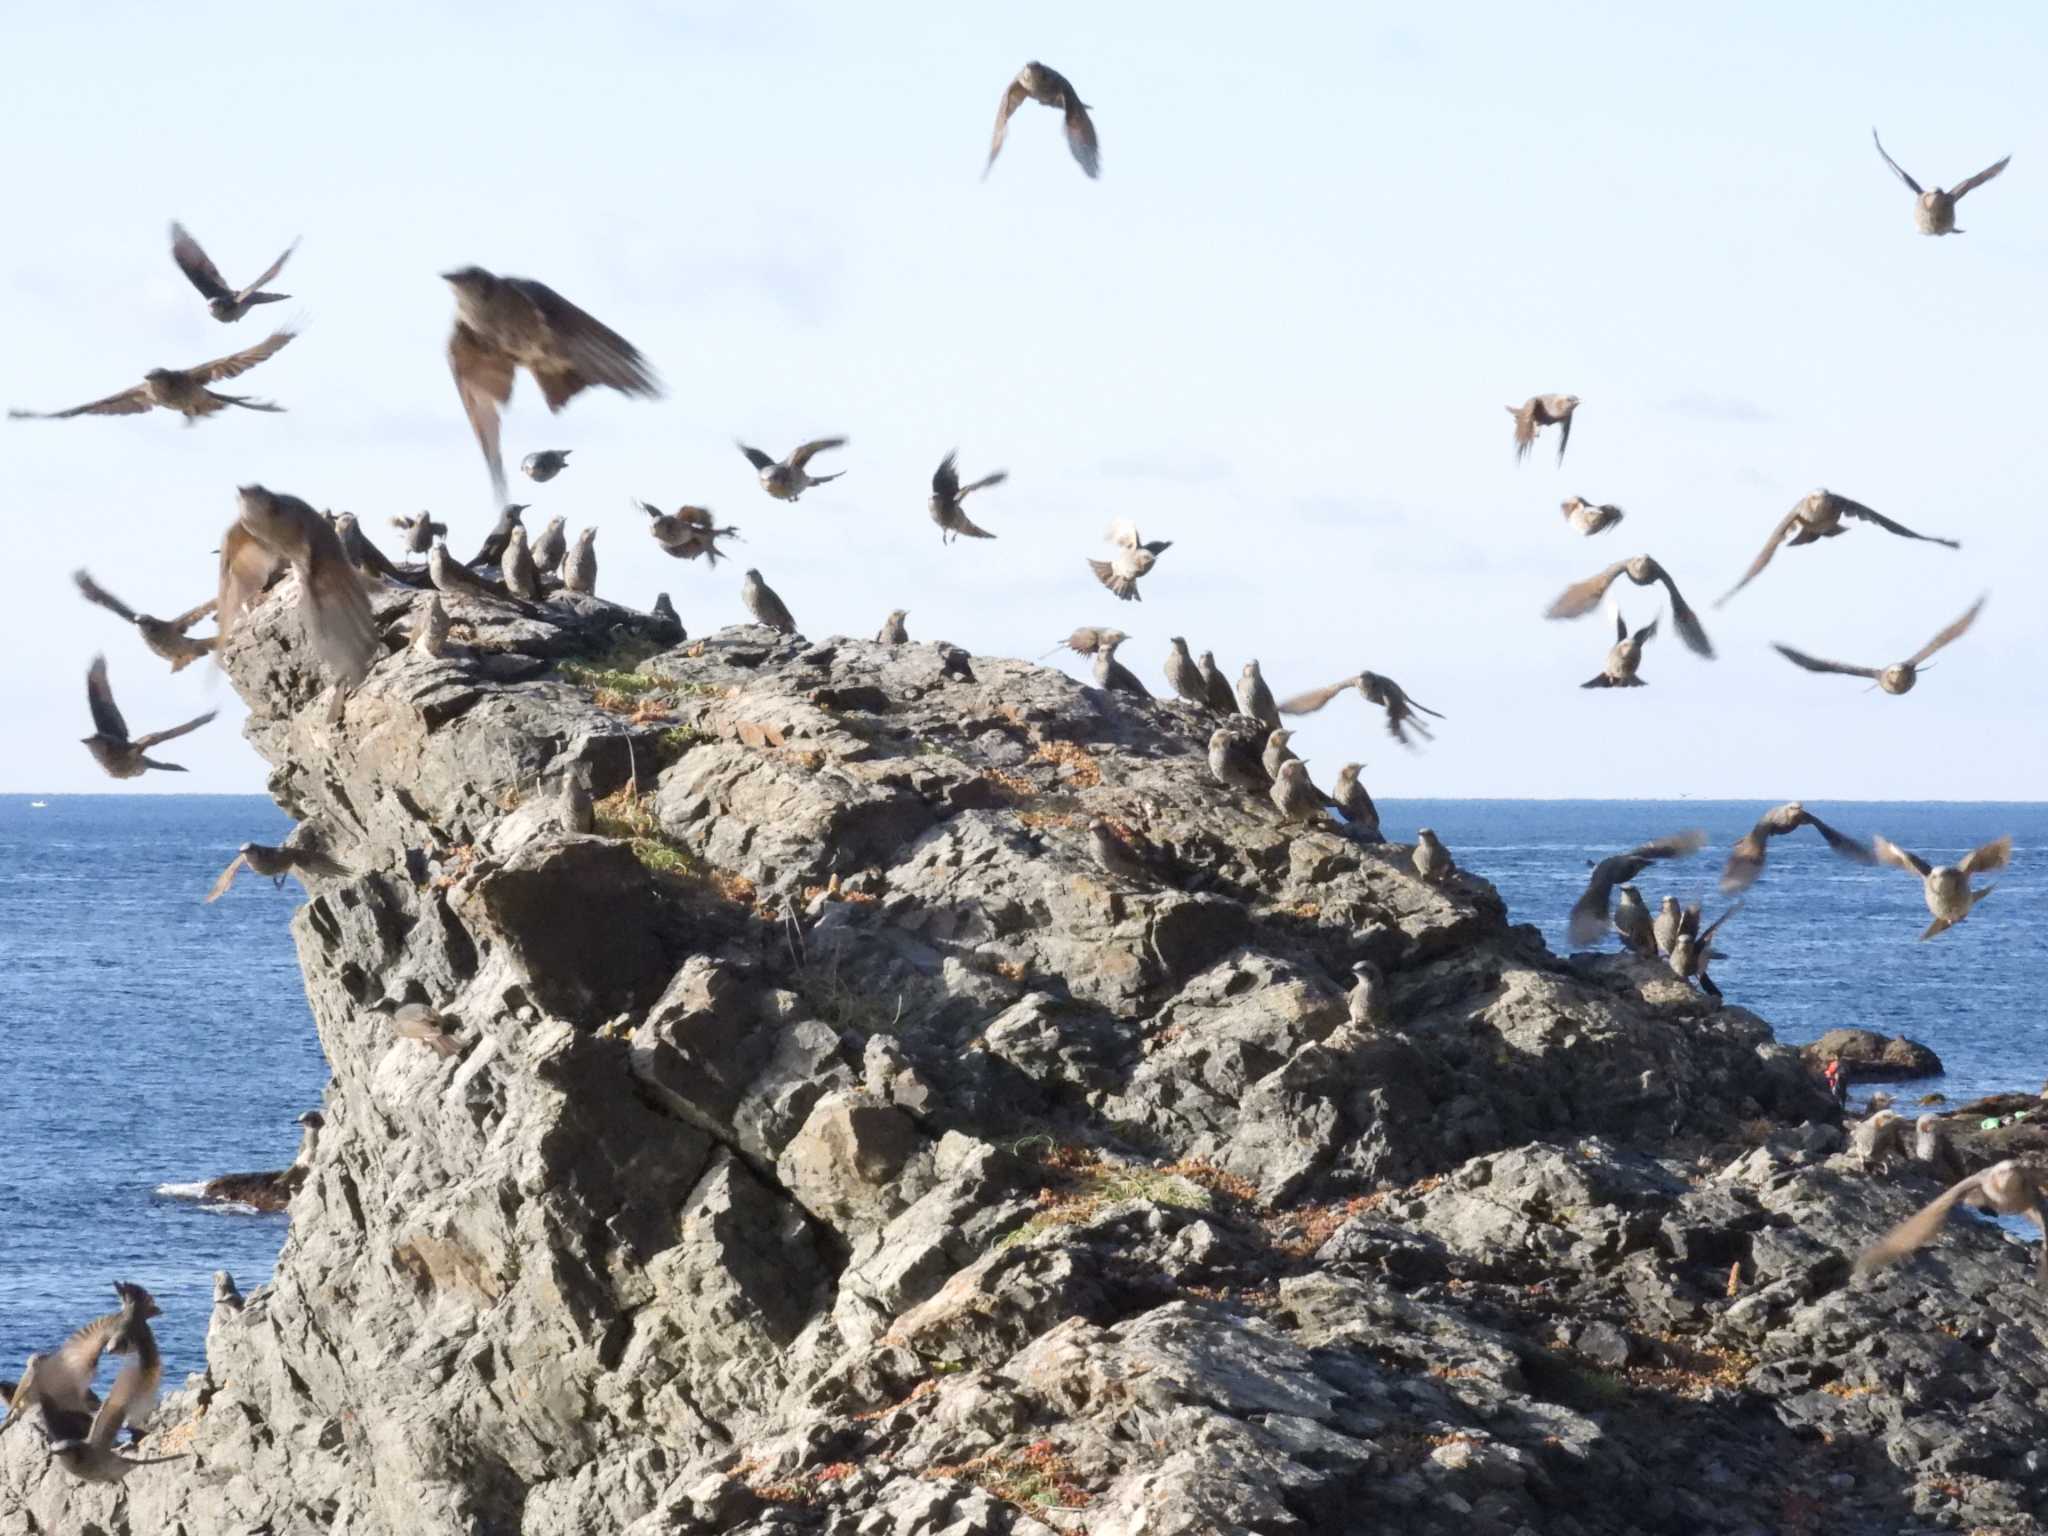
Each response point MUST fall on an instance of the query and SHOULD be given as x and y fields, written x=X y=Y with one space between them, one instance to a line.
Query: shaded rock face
x=834 y=1146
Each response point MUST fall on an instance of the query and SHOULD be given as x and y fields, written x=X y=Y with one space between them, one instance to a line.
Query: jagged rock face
x=836 y=1146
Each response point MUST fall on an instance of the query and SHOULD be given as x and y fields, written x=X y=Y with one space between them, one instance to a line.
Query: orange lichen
x=1033 y=1478
x=1080 y=768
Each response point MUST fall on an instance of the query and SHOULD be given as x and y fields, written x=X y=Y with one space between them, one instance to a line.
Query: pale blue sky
x=1328 y=246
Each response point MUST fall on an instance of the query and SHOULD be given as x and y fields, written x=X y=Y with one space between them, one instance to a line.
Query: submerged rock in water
x=843 y=1148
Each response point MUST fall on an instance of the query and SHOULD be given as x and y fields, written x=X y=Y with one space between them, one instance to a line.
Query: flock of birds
x=505 y=324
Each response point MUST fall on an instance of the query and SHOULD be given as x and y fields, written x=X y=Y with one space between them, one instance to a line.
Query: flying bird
x=1589 y=912
x=765 y=606
x=83 y=1444
x=1133 y=558
x=1900 y=676
x=1543 y=411
x=1819 y=516
x=367 y=557
x=686 y=532
x=787 y=479
x=1947 y=888
x=271 y=530
x=1625 y=658
x=1693 y=950
x=546 y=464
x=1374 y=689
x=109 y=742
x=1583 y=597
x=503 y=324
x=1935 y=212
x=1746 y=858
x=179 y=389
x=1588 y=519
x=948 y=493
x=276 y=863
x=1048 y=87
x=64 y=1377
x=420 y=532
x=1082 y=641
x=2009 y=1188
x=225 y=304
x=165 y=637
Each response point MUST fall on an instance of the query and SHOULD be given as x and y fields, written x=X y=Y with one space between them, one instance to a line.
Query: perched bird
x=84 y=1445
x=1669 y=923
x=227 y=1296
x=416 y=1021
x=1374 y=689
x=764 y=605
x=1932 y=1147
x=1543 y=411
x=430 y=628
x=1746 y=858
x=1935 y=212
x=579 y=816
x=1632 y=922
x=686 y=532
x=1900 y=676
x=367 y=557
x=1183 y=676
x=1111 y=673
x=1432 y=860
x=1276 y=752
x=1879 y=1140
x=1294 y=796
x=166 y=637
x=271 y=530
x=261 y=859
x=1588 y=519
x=1819 y=516
x=1132 y=559
x=451 y=576
x=1234 y=762
x=225 y=304
x=788 y=479
x=500 y=535
x=1367 y=1003
x=1693 y=949
x=948 y=493
x=1115 y=856
x=579 y=567
x=1048 y=87
x=1216 y=686
x=665 y=611
x=503 y=324
x=1949 y=894
x=109 y=743
x=2009 y=1188
x=549 y=549
x=1081 y=642
x=522 y=577
x=1589 y=912
x=1360 y=814
x=546 y=464
x=892 y=631
x=420 y=532
x=1624 y=658
x=1583 y=597
x=179 y=389
x=1254 y=698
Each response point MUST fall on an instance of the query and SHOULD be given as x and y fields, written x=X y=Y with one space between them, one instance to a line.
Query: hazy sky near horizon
x=1327 y=247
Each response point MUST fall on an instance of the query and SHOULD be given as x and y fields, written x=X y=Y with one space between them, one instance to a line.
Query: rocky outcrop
x=836 y=1147
x=1868 y=1057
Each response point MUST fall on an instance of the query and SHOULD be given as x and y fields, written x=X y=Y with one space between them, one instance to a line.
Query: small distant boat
x=39 y=805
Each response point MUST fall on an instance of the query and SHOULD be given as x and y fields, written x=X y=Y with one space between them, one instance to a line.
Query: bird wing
x=946 y=478
x=803 y=454
x=1993 y=855
x=133 y=1387
x=1843 y=844
x=269 y=272
x=1564 y=434
x=1916 y=1229
x=67 y=1373
x=1081 y=136
x=1525 y=427
x=1818 y=664
x=1122 y=586
x=193 y=615
x=227 y=878
x=197 y=266
x=246 y=567
x=1583 y=597
x=1955 y=631
x=99 y=693
x=960 y=523
x=129 y=402
x=1620 y=626
x=1778 y=533
x=483 y=377
x=1690 y=630
x=985 y=482
x=1392 y=697
x=1889 y=852
x=237 y=363
x=1013 y=98
x=1123 y=532
x=1899 y=170
x=1858 y=510
x=157 y=738
x=93 y=592
x=1308 y=703
x=1589 y=912
x=1979 y=179
x=587 y=350
x=1706 y=935
x=1746 y=860
x=1676 y=846
x=756 y=457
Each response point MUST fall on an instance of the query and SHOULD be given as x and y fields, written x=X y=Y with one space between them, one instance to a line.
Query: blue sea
x=146 y=1038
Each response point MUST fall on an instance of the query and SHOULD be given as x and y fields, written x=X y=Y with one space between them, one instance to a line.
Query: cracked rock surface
x=836 y=1147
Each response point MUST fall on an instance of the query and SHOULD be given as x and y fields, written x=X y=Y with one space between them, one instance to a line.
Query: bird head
x=160 y=375
x=587 y=536
x=1279 y=737
x=1365 y=970
x=1157 y=546
x=513 y=509
x=469 y=280
x=246 y=848
x=313 y=1120
x=898 y=615
x=1571 y=402
x=1179 y=643
x=1251 y=668
x=1218 y=739
x=752 y=574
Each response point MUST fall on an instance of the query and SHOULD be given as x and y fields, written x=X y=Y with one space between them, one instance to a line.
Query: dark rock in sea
x=1868 y=1057
x=842 y=1150
x=271 y=1191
